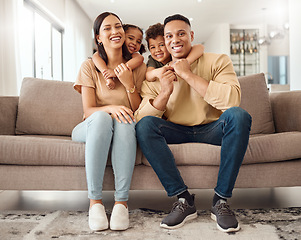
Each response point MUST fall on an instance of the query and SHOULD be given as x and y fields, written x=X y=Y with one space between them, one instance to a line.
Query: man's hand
x=167 y=79
x=182 y=68
x=167 y=85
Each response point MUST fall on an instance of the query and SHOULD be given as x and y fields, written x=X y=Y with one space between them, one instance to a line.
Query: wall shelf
x=244 y=51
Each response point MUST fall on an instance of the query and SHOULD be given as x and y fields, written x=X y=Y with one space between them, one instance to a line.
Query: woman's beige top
x=88 y=76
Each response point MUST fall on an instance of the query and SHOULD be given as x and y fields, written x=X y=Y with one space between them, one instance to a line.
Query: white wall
x=78 y=41
x=279 y=47
x=219 y=40
x=295 y=40
x=56 y=7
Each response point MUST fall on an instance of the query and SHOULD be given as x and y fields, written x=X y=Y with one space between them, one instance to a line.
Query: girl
x=133 y=41
x=109 y=122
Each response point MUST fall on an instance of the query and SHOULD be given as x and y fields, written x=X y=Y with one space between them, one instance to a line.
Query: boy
x=159 y=55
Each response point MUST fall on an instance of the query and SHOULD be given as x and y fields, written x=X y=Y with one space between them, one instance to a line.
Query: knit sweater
x=185 y=105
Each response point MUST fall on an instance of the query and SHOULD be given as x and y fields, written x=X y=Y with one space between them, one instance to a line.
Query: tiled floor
x=77 y=200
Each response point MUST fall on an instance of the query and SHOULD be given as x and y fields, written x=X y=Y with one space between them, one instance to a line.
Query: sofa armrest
x=286 y=108
x=8 y=114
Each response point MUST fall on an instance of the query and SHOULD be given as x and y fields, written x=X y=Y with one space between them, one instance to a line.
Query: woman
x=109 y=125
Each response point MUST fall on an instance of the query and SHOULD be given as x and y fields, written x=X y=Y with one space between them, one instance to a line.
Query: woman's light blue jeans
x=231 y=132
x=103 y=135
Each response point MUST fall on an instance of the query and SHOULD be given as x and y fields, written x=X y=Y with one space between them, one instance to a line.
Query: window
x=278 y=70
x=41 y=43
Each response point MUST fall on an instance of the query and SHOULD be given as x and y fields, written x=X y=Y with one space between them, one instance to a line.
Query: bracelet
x=132 y=90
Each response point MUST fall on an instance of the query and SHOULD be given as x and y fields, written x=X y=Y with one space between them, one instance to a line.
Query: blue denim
x=102 y=135
x=231 y=131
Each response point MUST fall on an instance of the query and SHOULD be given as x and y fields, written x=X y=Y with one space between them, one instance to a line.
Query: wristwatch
x=131 y=90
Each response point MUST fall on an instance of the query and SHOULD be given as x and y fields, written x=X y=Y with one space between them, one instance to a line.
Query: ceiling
x=206 y=14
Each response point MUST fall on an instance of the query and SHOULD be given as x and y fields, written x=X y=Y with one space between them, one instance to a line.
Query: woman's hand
x=125 y=75
x=122 y=113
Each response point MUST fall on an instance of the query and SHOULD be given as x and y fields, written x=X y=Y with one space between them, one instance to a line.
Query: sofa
x=37 y=153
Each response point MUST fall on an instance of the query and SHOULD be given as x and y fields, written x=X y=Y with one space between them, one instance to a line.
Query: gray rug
x=144 y=225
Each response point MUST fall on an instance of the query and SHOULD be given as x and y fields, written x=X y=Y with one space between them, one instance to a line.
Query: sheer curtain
x=9 y=47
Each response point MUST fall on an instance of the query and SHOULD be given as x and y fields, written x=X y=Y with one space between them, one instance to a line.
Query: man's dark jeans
x=231 y=132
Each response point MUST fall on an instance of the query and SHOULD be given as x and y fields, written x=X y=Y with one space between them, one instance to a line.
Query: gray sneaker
x=224 y=217
x=180 y=213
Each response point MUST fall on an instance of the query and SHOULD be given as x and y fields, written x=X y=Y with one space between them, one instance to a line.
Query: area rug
x=265 y=224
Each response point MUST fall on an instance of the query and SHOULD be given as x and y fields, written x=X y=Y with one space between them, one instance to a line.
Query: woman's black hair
x=101 y=51
x=127 y=26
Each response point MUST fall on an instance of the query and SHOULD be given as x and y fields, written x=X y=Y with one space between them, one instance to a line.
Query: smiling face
x=158 y=49
x=111 y=33
x=133 y=39
x=178 y=37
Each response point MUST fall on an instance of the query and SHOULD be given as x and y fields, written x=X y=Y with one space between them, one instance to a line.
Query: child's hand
x=162 y=70
x=110 y=83
x=108 y=73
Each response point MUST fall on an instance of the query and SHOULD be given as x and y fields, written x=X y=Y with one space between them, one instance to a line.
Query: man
x=196 y=103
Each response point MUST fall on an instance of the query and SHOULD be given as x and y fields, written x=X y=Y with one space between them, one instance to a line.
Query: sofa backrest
x=255 y=100
x=48 y=107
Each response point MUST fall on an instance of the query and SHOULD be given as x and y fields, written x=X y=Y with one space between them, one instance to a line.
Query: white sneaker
x=98 y=218
x=119 y=218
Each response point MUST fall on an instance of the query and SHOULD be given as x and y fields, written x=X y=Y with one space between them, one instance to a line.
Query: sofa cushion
x=255 y=100
x=8 y=112
x=262 y=148
x=48 y=107
x=273 y=148
x=30 y=150
x=44 y=151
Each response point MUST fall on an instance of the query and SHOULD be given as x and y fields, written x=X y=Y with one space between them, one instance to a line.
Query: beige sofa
x=36 y=151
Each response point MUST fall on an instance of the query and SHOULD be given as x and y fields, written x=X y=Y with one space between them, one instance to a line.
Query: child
x=133 y=41
x=159 y=54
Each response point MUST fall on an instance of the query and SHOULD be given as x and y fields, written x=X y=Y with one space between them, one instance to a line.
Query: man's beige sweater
x=185 y=105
